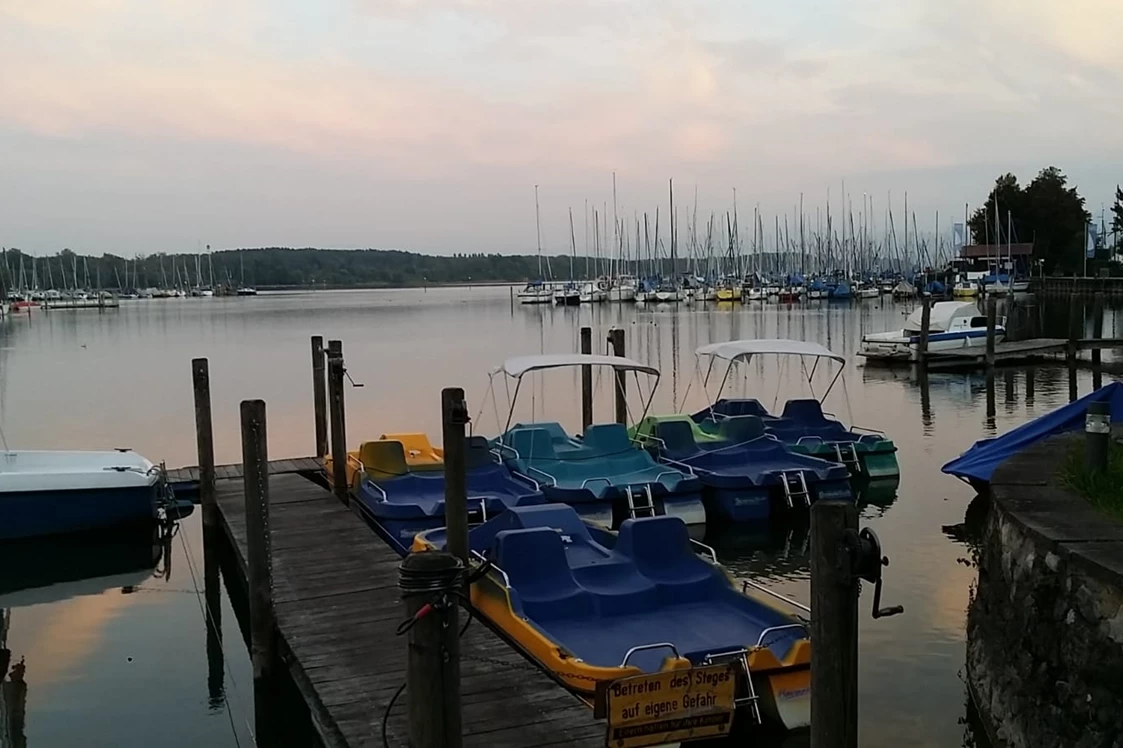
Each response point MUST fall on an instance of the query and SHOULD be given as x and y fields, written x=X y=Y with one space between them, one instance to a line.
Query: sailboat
x=243 y=289
x=570 y=293
x=537 y=291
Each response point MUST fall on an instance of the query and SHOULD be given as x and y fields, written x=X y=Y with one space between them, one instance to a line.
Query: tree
x=1010 y=199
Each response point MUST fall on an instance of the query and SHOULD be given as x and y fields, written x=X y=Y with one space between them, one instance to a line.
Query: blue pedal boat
x=402 y=501
x=590 y=606
x=749 y=474
x=603 y=475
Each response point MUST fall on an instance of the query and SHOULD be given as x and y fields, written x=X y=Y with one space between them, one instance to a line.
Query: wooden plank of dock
x=234 y=472
x=337 y=606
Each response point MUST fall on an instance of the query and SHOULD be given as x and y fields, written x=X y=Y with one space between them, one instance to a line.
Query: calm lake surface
x=120 y=659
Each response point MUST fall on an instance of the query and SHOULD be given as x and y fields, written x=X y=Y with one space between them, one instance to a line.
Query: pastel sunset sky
x=160 y=125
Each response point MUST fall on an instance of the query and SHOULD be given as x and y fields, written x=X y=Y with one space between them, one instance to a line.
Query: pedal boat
x=401 y=500
x=603 y=474
x=590 y=606
x=747 y=474
x=420 y=456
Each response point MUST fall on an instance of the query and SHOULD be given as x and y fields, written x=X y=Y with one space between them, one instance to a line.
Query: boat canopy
x=942 y=315
x=519 y=365
x=743 y=350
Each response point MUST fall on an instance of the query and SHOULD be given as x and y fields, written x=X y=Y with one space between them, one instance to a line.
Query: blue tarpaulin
x=978 y=463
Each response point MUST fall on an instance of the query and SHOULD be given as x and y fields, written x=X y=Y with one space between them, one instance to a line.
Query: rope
x=203 y=609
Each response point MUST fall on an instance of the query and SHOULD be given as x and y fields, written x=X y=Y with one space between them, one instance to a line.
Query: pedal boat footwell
x=590 y=606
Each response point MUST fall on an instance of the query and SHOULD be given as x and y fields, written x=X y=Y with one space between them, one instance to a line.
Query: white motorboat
x=623 y=290
x=867 y=292
x=594 y=292
x=952 y=326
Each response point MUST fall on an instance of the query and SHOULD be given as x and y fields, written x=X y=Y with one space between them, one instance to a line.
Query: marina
x=345 y=692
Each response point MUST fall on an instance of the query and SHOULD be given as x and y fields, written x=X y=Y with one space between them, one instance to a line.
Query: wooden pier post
x=338 y=421
x=454 y=417
x=1097 y=334
x=616 y=339
x=204 y=440
x=586 y=380
x=433 y=660
x=259 y=568
x=319 y=396
x=1030 y=386
x=1075 y=328
x=925 y=320
x=992 y=323
x=992 y=409
x=834 y=628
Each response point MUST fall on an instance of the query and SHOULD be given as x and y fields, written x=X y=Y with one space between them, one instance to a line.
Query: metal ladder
x=847 y=454
x=795 y=488
x=741 y=658
x=634 y=508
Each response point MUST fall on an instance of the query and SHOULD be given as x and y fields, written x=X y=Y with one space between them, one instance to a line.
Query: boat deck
x=337 y=609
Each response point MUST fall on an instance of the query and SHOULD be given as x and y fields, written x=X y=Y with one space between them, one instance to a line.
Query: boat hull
x=28 y=514
x=897 y=347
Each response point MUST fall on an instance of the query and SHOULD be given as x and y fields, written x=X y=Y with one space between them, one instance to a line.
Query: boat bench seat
x=660 y=548
x=383 y=459
x=744 y=428
x=608 y=439
x=740 y=407
x=536 y=564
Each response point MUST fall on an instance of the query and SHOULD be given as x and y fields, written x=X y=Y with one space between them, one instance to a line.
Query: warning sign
x=669 y=707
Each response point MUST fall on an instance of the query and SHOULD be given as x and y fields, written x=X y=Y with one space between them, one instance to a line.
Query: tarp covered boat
x=404 y=498
x=55 y=492
x=591 y=606
x=747 y=473
x=977 y=464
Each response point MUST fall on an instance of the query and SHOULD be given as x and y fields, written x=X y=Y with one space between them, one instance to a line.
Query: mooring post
x=433 y=660
x=338 y=422
x=454 y=417
x=992 y=324
x=1097 y=335
x=1075 y=328
x=616 y=339
x=204 y=440
x=259 y=569
x=319 y=396
x=586 y=379
x=1030 y=386
x=834 y=628
x=925 y=320
x=1097 y=435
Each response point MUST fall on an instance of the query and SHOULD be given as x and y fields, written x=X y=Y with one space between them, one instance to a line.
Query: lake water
x=107 y=666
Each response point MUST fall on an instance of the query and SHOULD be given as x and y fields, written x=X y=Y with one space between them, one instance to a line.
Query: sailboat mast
x=538 y=230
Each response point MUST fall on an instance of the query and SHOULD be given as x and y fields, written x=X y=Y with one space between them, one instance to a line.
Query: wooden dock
x=299 y=465
x=337 y=610
x=1021 y=351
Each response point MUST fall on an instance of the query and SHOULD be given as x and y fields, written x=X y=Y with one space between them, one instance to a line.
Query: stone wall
x=1045 y=626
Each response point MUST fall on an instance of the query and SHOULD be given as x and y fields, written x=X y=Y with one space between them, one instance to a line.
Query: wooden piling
x=1030 y=386
x=1097 y=334
x=586 y=380
x=925 y=320
x=616 y=340
x=1075 y=328
x=259 y=569
x=992 y=324
x=433 y=661
x=319 y=396
x=338 y=421
x=454 y=417
x=834 y=629
x=204 y=439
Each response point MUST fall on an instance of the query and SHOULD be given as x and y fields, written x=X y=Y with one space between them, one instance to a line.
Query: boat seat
x=420 y=454
x=740 y=429
x=558 y=436
x=805 y=412
x=477 y=452
x=617 y=586
x=531 y=443
x=741 y=407
x=606 y=439
x=536 y=564
x=677 y=439
x=383 y=459
x=660 y=547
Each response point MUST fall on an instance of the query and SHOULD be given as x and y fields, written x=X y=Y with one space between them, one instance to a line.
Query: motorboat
x=594 y=292
x=246 y=291
x=57 y=492
x=601 y=473
x=536 y=292
x=591 y=606
x=403 y=495
x=746 y=473
x=668 y=292
x=568 y=295
x=952 y=326
x=965 y=288
x=904 y=290
x=868 y=291
x=623 y=290
x=802 y=425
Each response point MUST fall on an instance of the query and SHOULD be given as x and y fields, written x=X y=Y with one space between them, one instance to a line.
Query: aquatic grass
x=1102 y=490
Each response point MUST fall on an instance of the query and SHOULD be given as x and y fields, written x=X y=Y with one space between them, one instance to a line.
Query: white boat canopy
x=942 y=315
x=519 y=365
x=743 y=350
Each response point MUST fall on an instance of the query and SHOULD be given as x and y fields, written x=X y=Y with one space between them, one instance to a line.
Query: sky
x=137 y=126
